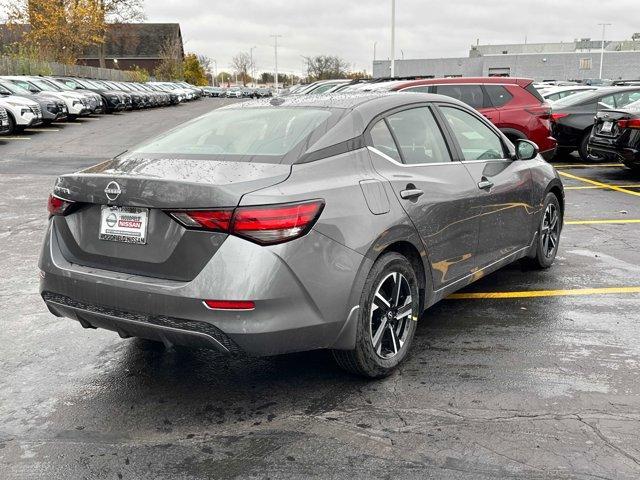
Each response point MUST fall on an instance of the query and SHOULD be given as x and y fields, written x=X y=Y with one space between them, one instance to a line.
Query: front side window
x=383 y=140
x=472 y=95
x=419 y=136
x=241 y=134
x=477 y=140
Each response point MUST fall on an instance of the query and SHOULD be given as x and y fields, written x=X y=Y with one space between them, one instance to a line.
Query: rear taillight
x=557 y=116
x=57 y=206
x=631 y=123
x=543 y=111
x=265 y=225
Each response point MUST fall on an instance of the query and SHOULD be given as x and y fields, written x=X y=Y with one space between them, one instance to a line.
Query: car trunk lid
x=154 y=186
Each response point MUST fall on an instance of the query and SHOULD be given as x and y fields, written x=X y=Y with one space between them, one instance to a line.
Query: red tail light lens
x=229 y=304
x=557 y=116
x=543 y=111
x=631 y=123
x=275 y=223
x=57 y=206
x=214 y=220
x=266 y=225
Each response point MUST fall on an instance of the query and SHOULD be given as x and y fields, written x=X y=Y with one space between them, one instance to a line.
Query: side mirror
x=526 y=150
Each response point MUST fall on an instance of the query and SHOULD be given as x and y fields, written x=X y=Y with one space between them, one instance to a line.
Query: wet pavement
x=542 y=387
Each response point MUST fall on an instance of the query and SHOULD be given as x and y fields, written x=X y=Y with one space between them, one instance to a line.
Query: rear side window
x=383 y=140
x=419 y=136
x=533 y=91
x=498 y=95
x=477 y=141
x=472 y=95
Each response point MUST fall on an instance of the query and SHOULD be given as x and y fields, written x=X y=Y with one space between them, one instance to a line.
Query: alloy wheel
x=391 y=312
x=550 y=231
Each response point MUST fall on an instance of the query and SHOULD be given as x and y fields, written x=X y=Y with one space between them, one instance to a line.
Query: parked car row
x=28 y=101
x=238 y=92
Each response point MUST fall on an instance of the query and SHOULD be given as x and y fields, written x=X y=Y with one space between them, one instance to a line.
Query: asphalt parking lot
x=523 y=375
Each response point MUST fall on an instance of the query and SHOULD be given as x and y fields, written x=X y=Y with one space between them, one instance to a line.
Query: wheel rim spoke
x=406 y=309
x=377 y=339
x=394 y=340
x=383 y=302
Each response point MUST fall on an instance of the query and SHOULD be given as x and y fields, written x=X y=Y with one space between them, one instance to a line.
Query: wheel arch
x=402 y=239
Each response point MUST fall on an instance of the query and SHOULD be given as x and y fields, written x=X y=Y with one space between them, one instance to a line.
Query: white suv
x=21 y=112
x=77 y=103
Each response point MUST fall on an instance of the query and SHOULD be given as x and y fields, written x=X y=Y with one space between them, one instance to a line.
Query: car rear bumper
x=628 y=156
x=288 y=316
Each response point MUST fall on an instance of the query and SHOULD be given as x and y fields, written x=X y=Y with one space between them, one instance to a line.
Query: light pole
x=253 y=73
x=375 y=44
x=393 y=38
x=275 y=38
x=215 y=72
x=604 y=26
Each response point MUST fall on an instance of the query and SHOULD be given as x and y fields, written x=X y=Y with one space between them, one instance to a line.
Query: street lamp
x=253 y=73
x=275 y=38
x=604 y=26
x=215 y=72
x=393 y=38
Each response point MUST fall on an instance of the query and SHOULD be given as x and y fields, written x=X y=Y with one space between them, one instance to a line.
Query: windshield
x=13 y=88
x=238 y=134
x=59 y=85
x=42 y=85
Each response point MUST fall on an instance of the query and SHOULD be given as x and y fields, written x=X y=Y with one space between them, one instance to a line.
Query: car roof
x=523 y=82
x=359 y=109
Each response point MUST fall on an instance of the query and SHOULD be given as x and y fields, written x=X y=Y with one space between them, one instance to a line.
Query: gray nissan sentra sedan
x=299 y=223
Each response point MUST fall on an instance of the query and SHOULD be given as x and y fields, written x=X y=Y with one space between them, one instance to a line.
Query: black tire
x=544 y=255
x=585 y=156
x=12 y=124
x=376 y=362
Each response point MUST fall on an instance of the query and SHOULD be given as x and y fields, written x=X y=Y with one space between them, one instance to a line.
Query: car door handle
x=411 y=193
x=485 y=184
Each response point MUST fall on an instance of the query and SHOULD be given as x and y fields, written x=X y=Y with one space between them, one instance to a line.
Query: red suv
x=512 y=104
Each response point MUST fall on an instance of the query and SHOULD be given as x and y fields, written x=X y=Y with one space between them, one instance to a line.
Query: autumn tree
x=58 y=29
x=242 y=65
x=171 y=66
x=326 y=67
x=194 y=72
x=115 y=11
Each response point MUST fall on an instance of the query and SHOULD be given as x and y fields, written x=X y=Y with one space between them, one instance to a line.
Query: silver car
x=298 y=223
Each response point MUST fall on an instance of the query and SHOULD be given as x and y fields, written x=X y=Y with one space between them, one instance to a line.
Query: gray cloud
x=350 y=28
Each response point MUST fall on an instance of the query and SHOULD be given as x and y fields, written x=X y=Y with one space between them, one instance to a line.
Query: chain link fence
x=23 y=66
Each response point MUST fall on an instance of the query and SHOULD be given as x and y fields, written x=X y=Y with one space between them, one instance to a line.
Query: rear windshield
x=574 y=99
x=534 y=91
x=241 y=134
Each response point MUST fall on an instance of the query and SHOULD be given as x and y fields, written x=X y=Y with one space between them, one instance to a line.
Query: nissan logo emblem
x=113 y=190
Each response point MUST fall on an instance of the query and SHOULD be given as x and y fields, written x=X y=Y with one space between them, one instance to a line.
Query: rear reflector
x=57 y=206
x=631 y=123
x=558 y=116
x=265 y=225
x=229 y=304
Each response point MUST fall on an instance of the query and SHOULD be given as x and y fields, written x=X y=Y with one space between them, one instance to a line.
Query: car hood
x=19 y=100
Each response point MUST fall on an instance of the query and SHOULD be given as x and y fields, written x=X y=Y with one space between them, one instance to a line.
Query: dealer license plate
x=607 y=127
x=124 y=224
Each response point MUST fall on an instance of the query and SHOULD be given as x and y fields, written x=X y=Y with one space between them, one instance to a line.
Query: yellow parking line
x=40 y=130
x=15 y=138
x=595 y=222
x=600 y=184
x=543 y=293
x=587 y=165
x=592 y=187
